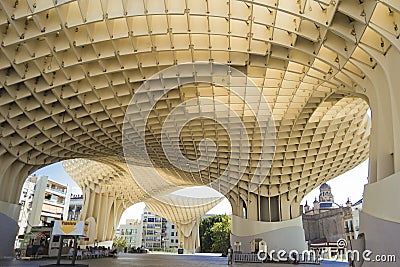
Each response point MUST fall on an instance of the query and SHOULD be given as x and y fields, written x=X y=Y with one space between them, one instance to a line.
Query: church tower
x=325 y=194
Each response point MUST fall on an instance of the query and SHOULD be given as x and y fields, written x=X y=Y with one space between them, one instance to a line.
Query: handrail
x=253 y=258
x=246 y=257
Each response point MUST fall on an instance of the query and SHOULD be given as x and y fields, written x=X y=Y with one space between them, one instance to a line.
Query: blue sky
x=348 y=185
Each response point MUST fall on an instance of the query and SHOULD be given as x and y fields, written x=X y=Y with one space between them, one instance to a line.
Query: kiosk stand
x=69 y=229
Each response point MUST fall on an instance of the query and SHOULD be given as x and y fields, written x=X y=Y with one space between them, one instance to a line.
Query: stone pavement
x=155 y=260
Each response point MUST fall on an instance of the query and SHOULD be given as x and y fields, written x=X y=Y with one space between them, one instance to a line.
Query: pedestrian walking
x=230 y=255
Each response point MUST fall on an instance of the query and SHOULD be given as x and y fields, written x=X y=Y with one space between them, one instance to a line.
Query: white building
x=25 y=201
x=55 y=203
x=171 y=236
x=131 y=231
x=154 y=230
x=352 y=219
x=158 y=232
x=43 y=201
x=75 y=207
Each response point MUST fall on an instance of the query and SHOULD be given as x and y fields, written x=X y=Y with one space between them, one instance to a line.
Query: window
x=173 y=226
x=244 y=210
x=172 y=233
x=134 y=231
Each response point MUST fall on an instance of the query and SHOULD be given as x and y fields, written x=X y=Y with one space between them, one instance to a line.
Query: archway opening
x=349 y=185
x=141 y=227
x=47 y=195
x=331 y=211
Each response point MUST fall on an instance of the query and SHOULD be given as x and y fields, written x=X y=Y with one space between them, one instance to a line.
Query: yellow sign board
x=80 y=228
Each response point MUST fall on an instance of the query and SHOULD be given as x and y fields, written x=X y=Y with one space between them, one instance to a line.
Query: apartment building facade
x=42 y=201
x=158 y=233
x=75 y=207
x=131 y=231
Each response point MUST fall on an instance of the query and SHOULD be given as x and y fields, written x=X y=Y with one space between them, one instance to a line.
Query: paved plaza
x=153 y=260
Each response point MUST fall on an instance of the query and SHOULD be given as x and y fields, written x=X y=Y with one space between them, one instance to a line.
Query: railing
x=246 y=257
x=251 y=257
x=309 y=259
x=59 y=190
x=50 y=201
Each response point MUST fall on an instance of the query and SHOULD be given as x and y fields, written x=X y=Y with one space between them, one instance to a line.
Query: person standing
x=230 y=255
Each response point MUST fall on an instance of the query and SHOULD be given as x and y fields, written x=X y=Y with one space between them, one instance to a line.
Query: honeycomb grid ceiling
x=68 y=70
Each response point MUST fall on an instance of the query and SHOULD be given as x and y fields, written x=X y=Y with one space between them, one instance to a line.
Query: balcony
x=57 y=191
x=348 y=230
x=53 y=202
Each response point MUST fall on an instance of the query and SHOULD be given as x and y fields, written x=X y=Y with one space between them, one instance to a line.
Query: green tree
x=205 y=233
x=215 y=229
x=221 y=235
x=119 y=243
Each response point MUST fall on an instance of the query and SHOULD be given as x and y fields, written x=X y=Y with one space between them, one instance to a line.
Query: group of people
x=93 y=252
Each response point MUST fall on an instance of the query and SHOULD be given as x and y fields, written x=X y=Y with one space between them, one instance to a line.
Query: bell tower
x=325 y=194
